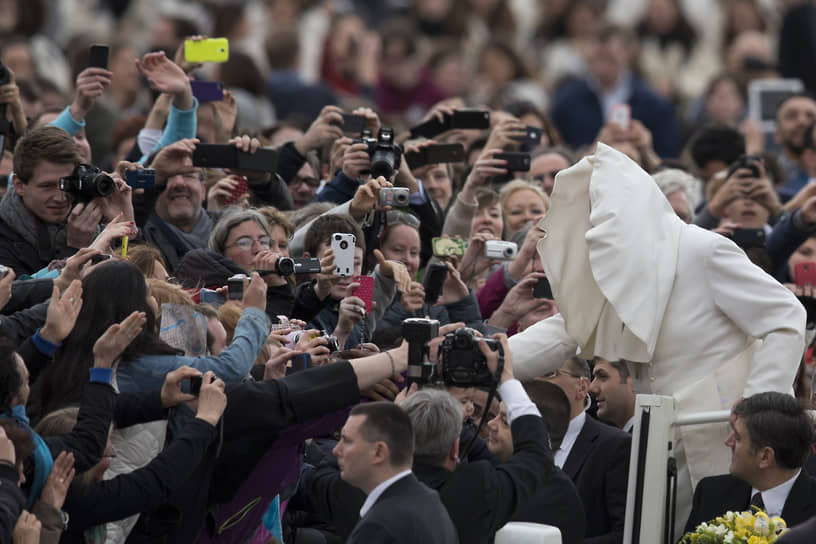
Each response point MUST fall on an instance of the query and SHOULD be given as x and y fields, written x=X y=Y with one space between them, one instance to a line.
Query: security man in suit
x=770 y=438
x=480 y=497
x=375 y=453
x=595 y=456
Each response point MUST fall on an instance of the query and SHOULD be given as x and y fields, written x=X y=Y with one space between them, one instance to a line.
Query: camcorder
x=87 y=182
x=461 y=362
x=385 y=154
x=287 y=266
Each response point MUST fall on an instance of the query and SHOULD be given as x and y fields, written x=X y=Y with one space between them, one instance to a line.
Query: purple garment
x=393 y=99
x=279 y=468
x=492 y=294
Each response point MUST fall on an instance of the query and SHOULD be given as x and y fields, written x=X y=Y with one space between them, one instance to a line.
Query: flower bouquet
x=738 y=528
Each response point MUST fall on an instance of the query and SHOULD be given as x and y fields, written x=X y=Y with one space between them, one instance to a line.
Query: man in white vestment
x=695 y=318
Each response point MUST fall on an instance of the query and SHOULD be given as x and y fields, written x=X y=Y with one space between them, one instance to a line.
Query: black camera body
x=463 y=363
x=287 y=266
x=748 y=162
x=384 y=153
x=5 y=75
x=87 y=182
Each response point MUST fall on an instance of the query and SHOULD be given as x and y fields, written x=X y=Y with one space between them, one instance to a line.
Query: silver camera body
x=499 y=249
x=394 y=196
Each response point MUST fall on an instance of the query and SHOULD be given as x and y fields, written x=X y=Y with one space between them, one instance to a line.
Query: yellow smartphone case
x=209 y=50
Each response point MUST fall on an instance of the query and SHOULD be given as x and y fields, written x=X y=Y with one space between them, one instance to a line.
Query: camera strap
x=490 y=396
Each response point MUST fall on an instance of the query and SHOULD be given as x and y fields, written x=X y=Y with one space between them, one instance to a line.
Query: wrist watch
x=64 y=519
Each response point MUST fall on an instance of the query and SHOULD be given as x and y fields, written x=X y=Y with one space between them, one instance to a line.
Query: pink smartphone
x=365 y=291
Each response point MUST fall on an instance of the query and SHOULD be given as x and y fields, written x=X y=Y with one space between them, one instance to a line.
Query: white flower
x=729 y=538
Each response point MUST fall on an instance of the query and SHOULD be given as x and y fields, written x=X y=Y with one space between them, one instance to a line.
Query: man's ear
x=453 y=454
x=381 y=453
x=19 y=186
x=766 y=456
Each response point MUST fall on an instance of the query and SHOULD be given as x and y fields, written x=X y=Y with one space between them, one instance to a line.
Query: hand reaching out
x=166 y=76
x=90 y=85
x=395 y=270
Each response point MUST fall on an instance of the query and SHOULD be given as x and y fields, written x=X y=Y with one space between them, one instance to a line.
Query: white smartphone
x=343 y=247
x=622 y=115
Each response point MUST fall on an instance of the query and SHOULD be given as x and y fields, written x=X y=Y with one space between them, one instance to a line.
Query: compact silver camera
x=499 y=249
x=394 y=196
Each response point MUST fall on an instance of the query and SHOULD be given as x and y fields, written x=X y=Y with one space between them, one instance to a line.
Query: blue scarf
x=43 y=462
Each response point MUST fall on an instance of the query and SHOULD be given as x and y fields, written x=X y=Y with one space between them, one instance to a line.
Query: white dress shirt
x=775 y=497
x=379 y=490
x=627 y=427
x=516 y=401
x=574 y=428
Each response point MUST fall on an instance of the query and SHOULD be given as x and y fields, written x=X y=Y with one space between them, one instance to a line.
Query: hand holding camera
x=494 y=354
x=251 y=291
x=171 y=393
x=326 y=128
x=212 y=401
x=367 y=197
x=175 y=159
x=522 y=264
x=90 y=85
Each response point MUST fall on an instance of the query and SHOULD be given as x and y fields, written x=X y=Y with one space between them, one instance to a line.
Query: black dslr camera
x=418 y=332
x=463 y=363
x=385 y=154
x=87 y=182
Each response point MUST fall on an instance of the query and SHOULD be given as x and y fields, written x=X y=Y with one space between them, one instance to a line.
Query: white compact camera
x=499 y=249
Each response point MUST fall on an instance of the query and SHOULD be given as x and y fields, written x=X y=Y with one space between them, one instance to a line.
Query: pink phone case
x=365 y=291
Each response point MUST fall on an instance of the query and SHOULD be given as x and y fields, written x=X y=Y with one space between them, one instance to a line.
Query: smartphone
x=211 y=296
x=98 y=56
x=299 y=363
x=532 y=138
x=235 y=286
x=435 y=154
x=622 y=115
x=353 y=124
x=449 y=247
x=749 y=238
x=343 y=247
x=805 y=274
x=228 y=156
x=207 y=50
x=208 y=91
x=102 y=257
x=434 y=280
x=470 y=119
x=195 y=385
x=144 y=178
x=542 y=289
x=365 y=291
x=461 y=119
x=240 y=190
x=516 y=162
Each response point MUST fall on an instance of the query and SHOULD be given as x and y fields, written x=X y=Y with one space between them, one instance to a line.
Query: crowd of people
x=168 y=374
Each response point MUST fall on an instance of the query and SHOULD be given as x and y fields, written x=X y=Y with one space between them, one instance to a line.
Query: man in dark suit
x=479 y=496
x=595 y=456
x=557 y=502
x=770 y=438
x=375 y=454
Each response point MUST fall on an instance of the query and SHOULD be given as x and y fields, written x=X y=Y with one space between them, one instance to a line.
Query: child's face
x=339 y=290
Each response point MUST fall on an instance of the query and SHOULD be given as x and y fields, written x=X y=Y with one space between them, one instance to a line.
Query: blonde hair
x=521 y=185
x=276 y=217
x=166 y=292
x=145 y=257
x=228 y=315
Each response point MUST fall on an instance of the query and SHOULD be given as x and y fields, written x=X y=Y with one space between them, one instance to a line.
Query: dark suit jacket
x=598 y=463
x=479 y=497
x=717 y=495
x=556 y=503
x=406 y=512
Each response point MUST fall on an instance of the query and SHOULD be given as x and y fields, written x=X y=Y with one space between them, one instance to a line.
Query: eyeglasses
x=314 y=183
x=246 y=243
x=557 y=372
x=395 y=217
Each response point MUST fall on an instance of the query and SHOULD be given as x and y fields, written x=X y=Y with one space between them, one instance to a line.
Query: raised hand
x=166 y=76
x=90 y=85
x=73 y=267
x=120 y=226
x=255 y=292
x=117 y=338
x=176 y=158
x=326 y=128
x=58 y=482
x=212 y=401
x=62 y=313
x=395 y=270
x=367 y=196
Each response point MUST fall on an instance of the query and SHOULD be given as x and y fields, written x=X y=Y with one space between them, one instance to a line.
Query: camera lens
x=508 y=252
x=343 y=245
x=103 y=185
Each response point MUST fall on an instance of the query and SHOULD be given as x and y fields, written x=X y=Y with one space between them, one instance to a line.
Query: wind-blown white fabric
x=632 y=281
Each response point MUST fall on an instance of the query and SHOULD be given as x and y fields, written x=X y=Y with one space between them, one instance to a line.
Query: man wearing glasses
x=304 y=185
x=594 y=455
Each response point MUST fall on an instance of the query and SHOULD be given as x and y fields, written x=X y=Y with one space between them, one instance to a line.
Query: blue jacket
x=578 y=115
x=148 y=372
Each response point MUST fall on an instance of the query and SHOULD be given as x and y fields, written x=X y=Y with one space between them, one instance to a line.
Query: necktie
x=756 y=500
